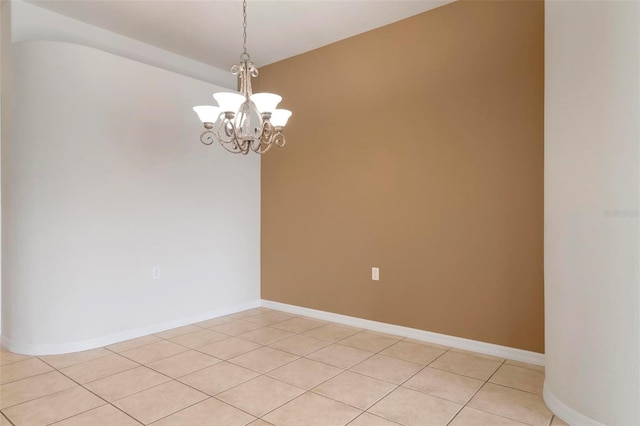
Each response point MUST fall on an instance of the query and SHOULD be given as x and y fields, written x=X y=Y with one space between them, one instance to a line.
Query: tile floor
x=265 y=367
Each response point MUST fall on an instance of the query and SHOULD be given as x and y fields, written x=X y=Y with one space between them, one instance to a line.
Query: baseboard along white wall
x=54 y=349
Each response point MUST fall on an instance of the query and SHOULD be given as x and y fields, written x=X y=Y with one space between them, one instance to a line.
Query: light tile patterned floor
x=264 y=367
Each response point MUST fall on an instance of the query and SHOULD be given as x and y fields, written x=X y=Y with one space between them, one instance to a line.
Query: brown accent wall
x=416 y=148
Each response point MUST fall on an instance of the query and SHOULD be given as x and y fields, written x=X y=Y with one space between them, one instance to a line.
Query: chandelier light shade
x=244 y=121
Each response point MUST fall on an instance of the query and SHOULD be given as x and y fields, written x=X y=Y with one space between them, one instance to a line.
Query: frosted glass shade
x=229 y=101
x=279 y=117
x=207 y=113
x=266 y=102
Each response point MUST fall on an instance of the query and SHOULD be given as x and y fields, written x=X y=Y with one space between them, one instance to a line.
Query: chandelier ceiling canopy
x=244 y=121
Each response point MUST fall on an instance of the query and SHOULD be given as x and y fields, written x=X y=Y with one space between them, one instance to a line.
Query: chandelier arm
x=279 y=139
x=225 y=135
x=246 y=147
x=263 y=148
x=257 y=146
x=207 y=137
x=267 y=131
x=232 y=150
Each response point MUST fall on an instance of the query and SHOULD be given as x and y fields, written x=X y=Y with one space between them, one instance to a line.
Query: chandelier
x=244 y=122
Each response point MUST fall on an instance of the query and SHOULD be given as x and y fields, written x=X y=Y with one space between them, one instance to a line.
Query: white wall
x=104 y=179
x=2 y=36
x=592 y=279
x=31 y=22
x=6 y=89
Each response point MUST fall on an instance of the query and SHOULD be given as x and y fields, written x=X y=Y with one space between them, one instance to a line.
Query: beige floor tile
x=467 y=365
x=268 y=318
x=236 y=327
x=300 y=344
x=184 y=363
x=7 y=357
x=512 y=403
x=210 y=412
x=369 y=341
x=229 y=348
x=263 y=360
x=213 y=322
x=52 y=408
x=133 y=343
x=340 y=356
x=471 y=417
x=98 y=368
x=386 y=368
x=332 y=332
x=34 y=394
x=266 y=335
x=431 y=344
x=160 y=401
x=312 y=410
x=4 y=421
x=22 y=369
x=368 y=419
x=414 y=352
x=298 y=324
x=521 y=378
x=525 y=365
x=67 y=360
x=154 y=352
x=179 y=331
x=126 y=383
x=218 y=378
x=107 y=415
x=260 y=395
x=557 y=421
x=199 y=338
x=260 y=422
x=443 y=384
x=355 y=389
x=410 y=408
x=33 y=387
x=305 y=373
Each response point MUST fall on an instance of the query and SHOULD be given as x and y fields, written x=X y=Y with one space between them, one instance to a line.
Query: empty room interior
x=444 y=232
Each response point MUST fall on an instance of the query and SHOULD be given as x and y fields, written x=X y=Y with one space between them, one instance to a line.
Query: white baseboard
x=63 y=348
x=414 y=333
x=566 y=413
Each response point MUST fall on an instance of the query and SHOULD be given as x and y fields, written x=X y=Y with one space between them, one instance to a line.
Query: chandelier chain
x=245 y=55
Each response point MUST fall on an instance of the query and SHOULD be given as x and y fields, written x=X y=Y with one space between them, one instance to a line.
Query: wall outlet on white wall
x=156 y=272
x=375 y=274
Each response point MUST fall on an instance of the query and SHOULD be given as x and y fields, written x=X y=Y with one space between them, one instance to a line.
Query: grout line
x=60 y=391
x=283 y=404
x=7 y=418
x=182 y=409
x=95 y=394
x=364 y=410
x=500 y=415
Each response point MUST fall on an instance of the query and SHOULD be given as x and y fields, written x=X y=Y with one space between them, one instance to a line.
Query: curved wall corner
x=105 y=179
x=592 y=202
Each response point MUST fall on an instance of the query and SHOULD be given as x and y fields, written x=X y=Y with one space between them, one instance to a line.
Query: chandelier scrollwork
x=244 y=122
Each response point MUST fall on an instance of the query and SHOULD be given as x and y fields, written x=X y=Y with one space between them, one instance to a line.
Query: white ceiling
x=210 y=31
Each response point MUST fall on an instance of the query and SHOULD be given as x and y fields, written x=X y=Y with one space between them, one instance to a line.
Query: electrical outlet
x=375 y=274
x=156 y=272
